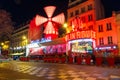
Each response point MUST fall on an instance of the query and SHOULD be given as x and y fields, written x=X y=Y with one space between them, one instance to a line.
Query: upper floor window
x=82 y=9
x=109 y=27
x=83 y=19
x=71 y=14
x=71 y=1
x=100 y=28
x=101 y=41
x=76 y=12
x=90 y=18
x=90 y=7
x=110 y=41
x=90 y=27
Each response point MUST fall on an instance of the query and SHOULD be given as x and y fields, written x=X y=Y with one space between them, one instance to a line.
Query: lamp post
x=65 y=25
x=4 y=48
x=1 y=47
x=25 y=41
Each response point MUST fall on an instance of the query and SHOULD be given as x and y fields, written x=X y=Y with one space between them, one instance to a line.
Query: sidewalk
x=59 y=71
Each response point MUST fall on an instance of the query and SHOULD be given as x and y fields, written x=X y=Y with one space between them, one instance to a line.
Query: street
x=17 y=70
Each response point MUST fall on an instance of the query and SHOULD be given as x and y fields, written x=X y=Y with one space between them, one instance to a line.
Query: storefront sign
x=43 y=40
x=80 y=34
x=106 y=47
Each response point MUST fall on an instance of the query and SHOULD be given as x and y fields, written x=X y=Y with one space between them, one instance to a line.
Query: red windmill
x=50 y=29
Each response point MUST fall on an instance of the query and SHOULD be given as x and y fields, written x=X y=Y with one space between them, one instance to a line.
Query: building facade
x=88 y=31
x=107 y=36
x=19 y=40
x=88 y=15
x=117 y=20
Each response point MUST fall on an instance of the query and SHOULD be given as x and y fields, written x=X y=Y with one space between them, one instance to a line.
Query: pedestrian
x=93 y=58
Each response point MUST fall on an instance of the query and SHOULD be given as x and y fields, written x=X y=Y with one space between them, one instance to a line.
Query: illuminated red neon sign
x=80 y=34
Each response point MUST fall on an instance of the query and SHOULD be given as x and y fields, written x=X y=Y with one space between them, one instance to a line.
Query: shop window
x=82 y=46
x=109 y=27
x=71 y=14
x=100 y=28
x=90 y=17
x=110 y=40
x=90 y=7
x=76 y=12
x=101 y=41
x=83 y=10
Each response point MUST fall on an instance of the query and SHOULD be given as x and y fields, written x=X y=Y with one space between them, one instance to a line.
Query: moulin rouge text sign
x=80 y=34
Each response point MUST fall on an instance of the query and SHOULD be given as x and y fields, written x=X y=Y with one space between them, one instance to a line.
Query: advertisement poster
x=82 y=46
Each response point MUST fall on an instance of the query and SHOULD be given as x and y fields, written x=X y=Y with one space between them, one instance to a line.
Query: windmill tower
x=50 y=31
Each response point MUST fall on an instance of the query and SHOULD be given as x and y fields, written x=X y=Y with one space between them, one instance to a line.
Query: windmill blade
x=40 y=20
x=59 y=18
x=49 y=28
x=49 y=10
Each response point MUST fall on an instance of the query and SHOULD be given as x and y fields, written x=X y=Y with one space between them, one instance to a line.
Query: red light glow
x=33 y=33
x=77 y=23
x=80 y=34
x=50 y=28
x=36 y=51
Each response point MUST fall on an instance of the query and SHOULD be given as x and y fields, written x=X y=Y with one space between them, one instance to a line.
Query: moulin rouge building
x=88 y=30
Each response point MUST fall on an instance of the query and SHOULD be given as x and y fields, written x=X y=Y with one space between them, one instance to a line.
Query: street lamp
x=1 y=47
x=25 y=41
x=24 y=37
x=65 y=25
x=4 y=48
x=2 y=43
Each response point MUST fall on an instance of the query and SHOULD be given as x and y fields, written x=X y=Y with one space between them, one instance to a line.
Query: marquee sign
x=80 y=34
x=43 y=40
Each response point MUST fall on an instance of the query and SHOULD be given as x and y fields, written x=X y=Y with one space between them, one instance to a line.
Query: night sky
x=24 y=10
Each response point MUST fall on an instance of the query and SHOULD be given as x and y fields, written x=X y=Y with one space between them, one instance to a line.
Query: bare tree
x=6 y=28
x=6 y=25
